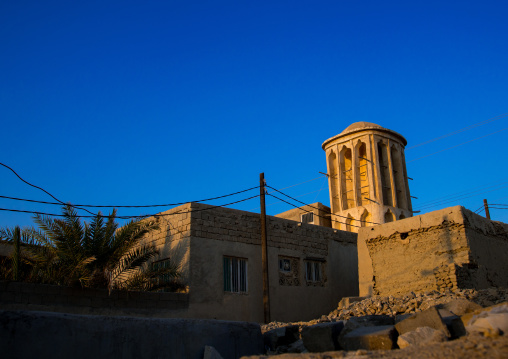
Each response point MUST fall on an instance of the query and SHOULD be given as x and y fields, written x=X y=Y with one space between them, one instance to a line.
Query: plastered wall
x=450 y=248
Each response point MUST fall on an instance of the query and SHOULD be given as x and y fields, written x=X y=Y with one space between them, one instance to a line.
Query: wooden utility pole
x=264 y=249
x=15 y=261
x=486 y=205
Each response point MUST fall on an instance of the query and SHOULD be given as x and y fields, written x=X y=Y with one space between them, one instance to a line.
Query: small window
x=165 y=278
x=288 y=270
x=285 y=265
x=307 y=217
x=235 y=275
x=314 y=272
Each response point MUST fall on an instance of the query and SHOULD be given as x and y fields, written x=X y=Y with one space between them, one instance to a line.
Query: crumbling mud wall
x=451 y=248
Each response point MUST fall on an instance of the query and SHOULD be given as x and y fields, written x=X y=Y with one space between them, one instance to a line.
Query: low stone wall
x=451 y=248
x=52 y=298
x=55 y=335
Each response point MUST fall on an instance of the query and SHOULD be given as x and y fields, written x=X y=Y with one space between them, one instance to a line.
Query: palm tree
x=96 y=254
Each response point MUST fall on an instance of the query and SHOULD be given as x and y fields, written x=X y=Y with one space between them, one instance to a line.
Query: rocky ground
x=491 y=345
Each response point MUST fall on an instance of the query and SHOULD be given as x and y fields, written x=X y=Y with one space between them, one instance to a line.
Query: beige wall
x=450 y=248
x=204 y=236
x=322 y=214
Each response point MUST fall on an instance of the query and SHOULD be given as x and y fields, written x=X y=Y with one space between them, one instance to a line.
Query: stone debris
x=490 y=321
x=357 y=323
x=420 y=336
x=322 y=337
x=371 y=338
x=428 y=318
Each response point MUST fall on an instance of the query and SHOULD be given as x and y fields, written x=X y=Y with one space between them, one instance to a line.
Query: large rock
x=453 y=323
x=282 y=336
x=361 y=322
x=428 y=318
x=420 y=336
x=371 y=338
x=490 y=321
x=25 y=334
x=460 y=306
x=322 y=337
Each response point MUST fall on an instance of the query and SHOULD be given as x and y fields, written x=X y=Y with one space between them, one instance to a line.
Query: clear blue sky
x=122 y=102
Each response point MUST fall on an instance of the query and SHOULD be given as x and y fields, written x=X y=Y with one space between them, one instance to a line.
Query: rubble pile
x=379 y=322
x=412 y=303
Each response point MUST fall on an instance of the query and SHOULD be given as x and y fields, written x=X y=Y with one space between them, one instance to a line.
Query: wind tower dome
x=367 y=176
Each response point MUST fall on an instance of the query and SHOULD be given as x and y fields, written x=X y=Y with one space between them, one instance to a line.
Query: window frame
x=235 y=274
x=309 y=214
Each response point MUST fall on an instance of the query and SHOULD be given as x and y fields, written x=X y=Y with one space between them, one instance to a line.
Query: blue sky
x=122 y=102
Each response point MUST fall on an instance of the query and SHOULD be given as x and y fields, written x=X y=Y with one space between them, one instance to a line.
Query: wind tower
x=367 y=177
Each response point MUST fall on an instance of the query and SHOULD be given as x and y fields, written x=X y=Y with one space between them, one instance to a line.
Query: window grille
x=235 y=275
x=313 y=271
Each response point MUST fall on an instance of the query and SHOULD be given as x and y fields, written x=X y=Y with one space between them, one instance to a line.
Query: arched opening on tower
x=402 y=216
x=366 y=219
x=347 y=178
x=398 y=176
x=350 y=224
x=362 y=179
x=389 y=216
x=333 y=179
x=385 y=174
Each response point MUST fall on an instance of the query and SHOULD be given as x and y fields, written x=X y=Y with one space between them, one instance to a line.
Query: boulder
x=460 y=306
x=420 y=336
x=453 y=323
x=490 y=321
x=361 y=322
x=281 y=336
x=428 y=318
x=322 y=337
x=371 y=338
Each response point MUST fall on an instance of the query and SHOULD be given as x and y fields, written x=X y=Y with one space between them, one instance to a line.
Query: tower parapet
x=367 y=176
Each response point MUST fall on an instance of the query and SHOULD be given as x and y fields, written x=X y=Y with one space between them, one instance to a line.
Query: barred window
x=313 y=271
x=235 y=275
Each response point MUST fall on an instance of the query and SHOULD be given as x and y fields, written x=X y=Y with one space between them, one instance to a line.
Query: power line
x=133 y=206
x=42 y=189
x=460 y=144
x=461 y=130
x=303 y=182
x=460 y=197
x=131 y=217
x=306 y=204
x=291 y=204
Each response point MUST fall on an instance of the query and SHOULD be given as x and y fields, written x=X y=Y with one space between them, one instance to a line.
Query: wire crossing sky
x=160 y=102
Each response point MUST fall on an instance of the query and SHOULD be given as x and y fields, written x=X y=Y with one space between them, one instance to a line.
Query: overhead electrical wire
x=473 y=194
x=291 y=204
x=460 y=144
x=306 y=204
x=461 y=130
x=131 y=217
x=131 y=206
x=42 y=189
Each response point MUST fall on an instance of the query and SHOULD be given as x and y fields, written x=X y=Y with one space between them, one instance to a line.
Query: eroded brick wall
x=447 y=249
x=53 y=298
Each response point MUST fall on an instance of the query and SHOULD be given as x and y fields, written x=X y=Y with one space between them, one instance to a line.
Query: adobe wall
x=173 y=237
x=451 y=248
x=223 y=231
x=53 y=298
